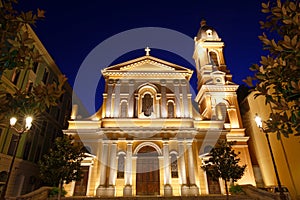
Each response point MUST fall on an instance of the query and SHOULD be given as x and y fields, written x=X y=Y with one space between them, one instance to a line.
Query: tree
x=62 y=163
x=223 y=163
x=19 y=52
x=278 y=75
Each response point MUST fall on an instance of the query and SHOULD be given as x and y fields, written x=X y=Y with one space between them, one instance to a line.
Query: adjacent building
x=148 y=138
x=284 y=150
x=49 y=125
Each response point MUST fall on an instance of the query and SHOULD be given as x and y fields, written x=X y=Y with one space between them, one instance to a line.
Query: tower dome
x=207 y=33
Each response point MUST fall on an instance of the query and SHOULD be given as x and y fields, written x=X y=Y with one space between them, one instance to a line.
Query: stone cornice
x=215 y=88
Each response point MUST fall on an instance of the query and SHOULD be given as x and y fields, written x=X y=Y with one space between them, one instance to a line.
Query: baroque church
x=149 y=139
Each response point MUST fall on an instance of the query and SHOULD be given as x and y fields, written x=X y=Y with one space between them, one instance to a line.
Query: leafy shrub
x=236 y=189
x=55 y=190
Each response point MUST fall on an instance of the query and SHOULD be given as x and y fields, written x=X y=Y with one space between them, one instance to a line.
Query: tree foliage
x=278 y=75
x=223 y=163
x=62 y=163
x=19 y=52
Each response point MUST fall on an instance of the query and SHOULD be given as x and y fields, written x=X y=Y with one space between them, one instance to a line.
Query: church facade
x=148 y=138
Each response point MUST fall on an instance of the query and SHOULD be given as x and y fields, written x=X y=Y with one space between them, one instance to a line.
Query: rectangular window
x=43 y=128
x=29 y=86
x=37 y=154
x=35 y=67
x=15 y=77
x=26 y=150
x=12 y=145
x=45 y=76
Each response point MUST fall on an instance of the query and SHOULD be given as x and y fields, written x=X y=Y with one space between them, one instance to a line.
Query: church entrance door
x=81 y=186
x=147 y=174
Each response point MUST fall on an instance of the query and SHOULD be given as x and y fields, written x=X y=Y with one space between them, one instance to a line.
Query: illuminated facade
x=45 y=128
x=148 y=138
x=287 y=163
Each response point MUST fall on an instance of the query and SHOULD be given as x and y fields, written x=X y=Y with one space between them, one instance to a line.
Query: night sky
x=72 y=29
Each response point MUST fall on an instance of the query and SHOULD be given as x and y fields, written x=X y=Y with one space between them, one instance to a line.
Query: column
x=164 y=113
x=128 y=171
x=102 y=190
x=131 y=99
x=117 y=99
x=112 y=172
x=177 y=98
x=103 y=164
x=157 y=106
x=167 y=174
x=109 y=96
x=193 y=187
x=182 y=163
x=184 y=98
x=113 y=169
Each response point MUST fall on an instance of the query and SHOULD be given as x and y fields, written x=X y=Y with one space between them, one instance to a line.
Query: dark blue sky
x=72 y=29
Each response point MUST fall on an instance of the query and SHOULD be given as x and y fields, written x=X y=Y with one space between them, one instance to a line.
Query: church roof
x=147 y=64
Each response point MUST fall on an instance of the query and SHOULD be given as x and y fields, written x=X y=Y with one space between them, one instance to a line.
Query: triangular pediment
x=147 y=63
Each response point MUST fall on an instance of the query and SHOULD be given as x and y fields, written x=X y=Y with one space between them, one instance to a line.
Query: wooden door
x=213 y=186
x=147 y=174
x=81 y=186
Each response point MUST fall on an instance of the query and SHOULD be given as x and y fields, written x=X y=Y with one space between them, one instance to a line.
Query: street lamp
x=258 y=122
x=27 y=126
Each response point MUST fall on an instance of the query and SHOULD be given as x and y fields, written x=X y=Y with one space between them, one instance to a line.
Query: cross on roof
x=147 y=51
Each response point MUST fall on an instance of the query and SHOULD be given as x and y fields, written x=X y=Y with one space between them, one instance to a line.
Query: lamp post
x=27 y=126
x=258 y=122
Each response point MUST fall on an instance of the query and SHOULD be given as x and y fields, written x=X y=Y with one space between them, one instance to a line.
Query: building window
x=16 y=77
x=12 y=145
x=174 y=166
x=124 y=110
x=170 y=109
x=147 y=105
x=29 y=86
x=209 y=33
x=45 y=76
x=35 y=67
x=121 y=165
x=221 y=112
x=37 y=154
x=213 y=58
x=26 y=150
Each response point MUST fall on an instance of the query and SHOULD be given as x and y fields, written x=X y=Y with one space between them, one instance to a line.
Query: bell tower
x=216 y=96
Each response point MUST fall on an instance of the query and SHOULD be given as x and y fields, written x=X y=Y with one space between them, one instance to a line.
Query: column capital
x=189 y=141
x=129 y=142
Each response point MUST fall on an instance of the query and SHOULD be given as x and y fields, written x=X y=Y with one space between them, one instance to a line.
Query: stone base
x=127 y=191
x=192 y=190
x=185 y=190
x=168 y=190
x=105 y=191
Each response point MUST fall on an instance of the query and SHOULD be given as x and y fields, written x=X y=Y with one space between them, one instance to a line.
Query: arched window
x=123 y=109
x=147 y=105
x=213 y=58
x=221 y=112
x=174 y=166
x=170 y=109
x=121 y=165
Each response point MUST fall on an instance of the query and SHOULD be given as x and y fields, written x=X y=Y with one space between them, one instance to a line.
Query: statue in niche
x=147 y=105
